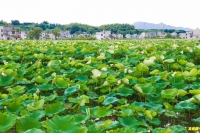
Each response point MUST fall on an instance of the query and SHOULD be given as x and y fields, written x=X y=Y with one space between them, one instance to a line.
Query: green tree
x=35 y=33
x=56 y=32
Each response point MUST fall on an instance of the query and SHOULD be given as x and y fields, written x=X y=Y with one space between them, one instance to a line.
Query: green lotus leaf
x=194 y=92
x=45 y=87
x=14 y=107
x=35 y=105
x=120 y=66
x=27 y=123
x=71 y=90
x=186 y=106
x=197 y=120
x=168 y=60
x=124 y=91
x=62 y=124
x=154 y=121
x=125 y=81
x=154 y=79
x=7 y=121
x=194 y=72
x=39 y=79
x=80 y=118
x=34 y=130
x=61 y=83
x=162 y=130
x=111 y=79
x=82 y=77
x=169 y=93
x=93 y=129
x=109 y=100
x=182 y=93
x=130 y=122
x=142 y=67
x=17 y=90
x=102 y=112
x=54 y=108
x=38 y=114
x=6 y=80
x=178 y=129
x=146 y=88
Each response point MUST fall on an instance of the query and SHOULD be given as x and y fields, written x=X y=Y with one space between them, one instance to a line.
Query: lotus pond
x=134 y=86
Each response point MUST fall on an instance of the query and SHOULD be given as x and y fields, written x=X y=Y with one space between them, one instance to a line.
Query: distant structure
x=8 y=33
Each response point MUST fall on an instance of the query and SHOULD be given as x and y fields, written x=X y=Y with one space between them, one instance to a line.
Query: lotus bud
x=38 y=91
x=125 y=70
x=5 y=107
x=181 y=52
x=104 y=69
x=118 y=82
x=70 y=58
x=3 y=74
x=33 y=104
x=130 y=71
x=142 y=52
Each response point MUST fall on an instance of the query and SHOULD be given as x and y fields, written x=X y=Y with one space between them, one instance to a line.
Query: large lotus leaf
x=35 y=105
x=147 y=88
x=82 y=77
x=154 y=79
x=62 y=124
x=61 y=83
x=93 y=129
x=45 y=87
x=142 y=68
x=194 y=92
x=154 y=121
x=162 y=130
x=34 y=130
x=6 y=121
x=186 y=106
x=38 y=114
x=71 y=90
x=27 y=123
x=54 y=108
x=111 y=79
x=120 y=66
x=124 y=91
x=17 y=90
x=109 y=100
x=130 y=122
x=178 y=129
x=169 y=93
x=102 y=112
x=14 y=107
x=197 y=120
x=6 y=80
x=80 y=118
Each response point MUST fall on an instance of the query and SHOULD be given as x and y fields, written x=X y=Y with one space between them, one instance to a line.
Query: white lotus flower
x=125 y=70
x=149 y=62
x=181 y=52
x=175 y=46
x=104 y=69
x=89 y=62
x=169 y=60
x=118 y=82
x=111 y=51
x=105 y=83
x=3 y=74
x=152 y=58
x=130 y=71
x=162 y=57
x=96 y=73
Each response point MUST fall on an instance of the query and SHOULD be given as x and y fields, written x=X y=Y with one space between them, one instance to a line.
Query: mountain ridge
x=147 y=26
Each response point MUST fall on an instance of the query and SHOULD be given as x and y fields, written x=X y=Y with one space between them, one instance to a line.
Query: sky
x=185 y=13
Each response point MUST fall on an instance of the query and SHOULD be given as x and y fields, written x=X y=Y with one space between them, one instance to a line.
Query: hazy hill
x=145 y=25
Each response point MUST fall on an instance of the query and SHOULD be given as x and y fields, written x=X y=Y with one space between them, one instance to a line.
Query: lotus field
x=134 y=86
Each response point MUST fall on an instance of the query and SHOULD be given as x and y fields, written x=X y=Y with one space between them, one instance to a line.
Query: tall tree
x=56 y=32
x=35 y=33
x=15 y=22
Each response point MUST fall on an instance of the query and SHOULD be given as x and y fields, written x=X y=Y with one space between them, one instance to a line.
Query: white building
x=23 y=35
x=8 y=33
x=182 y=35
x=102 y=35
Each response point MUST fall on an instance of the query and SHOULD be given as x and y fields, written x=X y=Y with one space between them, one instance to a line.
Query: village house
x=23 y=35
x=102 y=35
x=8 y=33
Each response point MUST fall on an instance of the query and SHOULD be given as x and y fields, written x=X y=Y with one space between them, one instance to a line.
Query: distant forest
x=81 y=28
